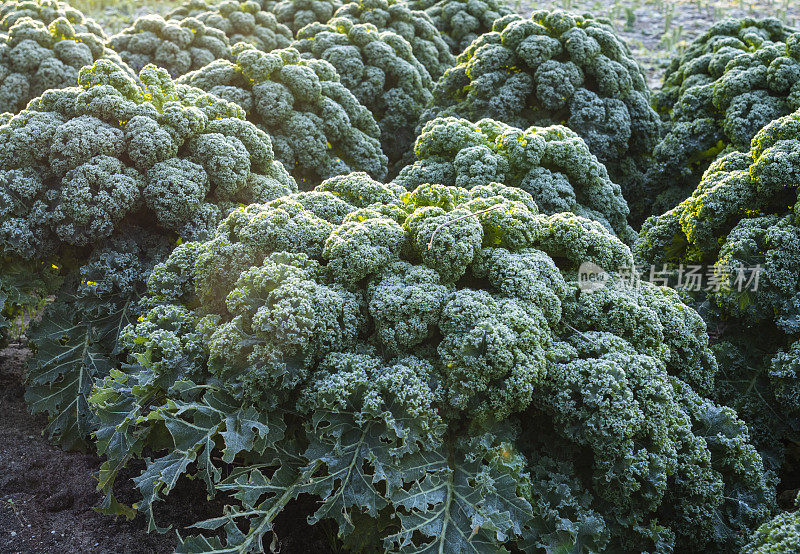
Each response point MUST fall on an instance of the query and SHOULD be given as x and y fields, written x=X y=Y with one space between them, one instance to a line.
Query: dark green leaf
x=72 y=350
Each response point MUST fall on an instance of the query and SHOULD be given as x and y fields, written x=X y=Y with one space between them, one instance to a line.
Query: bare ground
x=47 y=495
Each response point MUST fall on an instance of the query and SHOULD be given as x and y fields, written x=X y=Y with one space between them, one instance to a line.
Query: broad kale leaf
x=72 y=350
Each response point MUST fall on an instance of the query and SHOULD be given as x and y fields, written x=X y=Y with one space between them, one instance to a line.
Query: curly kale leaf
x=318 y=128
x=556 y=68
x=729 y=83
x=70 y=353
x=380 y=69
x=553 y=164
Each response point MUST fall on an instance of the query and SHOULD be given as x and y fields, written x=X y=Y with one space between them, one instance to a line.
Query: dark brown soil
x=47 y=495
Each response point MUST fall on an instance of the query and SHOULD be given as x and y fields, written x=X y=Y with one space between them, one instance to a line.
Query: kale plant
x=737 y=77
x=179 y=46
x=556 y=68
x=427 y=44
x=741 y=222
x=100 y=181
x=46 y=12
x=380 y=69
x=425 y=366
x=317 y=126
x=36 y=56
x=462 y=21
x=240 y=20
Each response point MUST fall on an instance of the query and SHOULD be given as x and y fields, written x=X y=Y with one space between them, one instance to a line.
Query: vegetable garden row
x=311 y=249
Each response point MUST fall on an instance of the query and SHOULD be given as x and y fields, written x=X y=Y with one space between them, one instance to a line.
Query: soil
x=47 y=495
